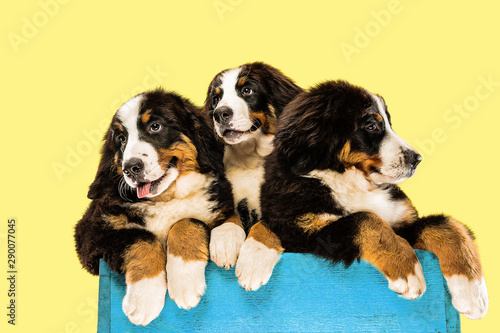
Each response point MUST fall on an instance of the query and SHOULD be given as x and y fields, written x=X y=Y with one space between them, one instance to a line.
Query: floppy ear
x=200 y=132
x=280 y=88
x=210 y=149
x=106 y=169
x=307 y=138
x=208 y=104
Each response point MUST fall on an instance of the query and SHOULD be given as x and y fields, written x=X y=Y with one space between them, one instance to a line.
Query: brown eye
x=215 y=100
x=246 y=91
x=121 y=139
x=155 y=127
x=371 y=127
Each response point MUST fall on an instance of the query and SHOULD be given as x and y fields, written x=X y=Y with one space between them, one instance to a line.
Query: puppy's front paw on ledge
x=144 y=299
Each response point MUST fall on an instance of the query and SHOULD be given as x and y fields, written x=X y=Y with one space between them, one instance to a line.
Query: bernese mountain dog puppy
x=159 y=189
x=330 y=189
x=244 y=104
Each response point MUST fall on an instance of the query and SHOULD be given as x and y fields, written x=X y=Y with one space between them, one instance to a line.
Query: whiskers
x=126 y=192
x=256 y=125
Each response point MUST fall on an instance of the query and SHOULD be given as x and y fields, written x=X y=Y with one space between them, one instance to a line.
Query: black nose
x=223 y=115
x=413 y=159
x=133 y=167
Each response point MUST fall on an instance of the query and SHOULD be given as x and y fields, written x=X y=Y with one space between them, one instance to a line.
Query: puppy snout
x=223 y=115
x=412 y=158
x=134 y=168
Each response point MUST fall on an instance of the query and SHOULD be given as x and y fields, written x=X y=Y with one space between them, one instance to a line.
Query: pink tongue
x=143 y=190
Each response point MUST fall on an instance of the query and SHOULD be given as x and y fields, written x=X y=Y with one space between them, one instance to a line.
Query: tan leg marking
x=144 y=260
x=460 y=264
x=392 y=255
x=146 y=282
x=187 y=255
x=454 y=247
x=258 y=256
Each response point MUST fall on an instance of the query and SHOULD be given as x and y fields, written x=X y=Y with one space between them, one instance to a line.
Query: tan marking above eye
x=378 y=117
x=146 y=116
x=241 y=81
x=217 y=91
x=119 y=126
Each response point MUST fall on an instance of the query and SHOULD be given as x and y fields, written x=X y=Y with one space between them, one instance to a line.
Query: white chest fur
x=244 y=166
x=354 y=193
x=246 y=185
x=190 y=201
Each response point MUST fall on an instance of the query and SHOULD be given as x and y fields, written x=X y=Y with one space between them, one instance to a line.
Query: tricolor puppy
x=159 y=188
x=244 y=104
x=330 y=189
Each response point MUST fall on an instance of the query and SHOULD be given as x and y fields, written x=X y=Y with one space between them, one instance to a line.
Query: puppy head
x=338 y=126
x=153 y=139
x=246 y=101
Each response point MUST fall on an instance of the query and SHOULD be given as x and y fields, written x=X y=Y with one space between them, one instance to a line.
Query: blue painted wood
x=104 y=308
x=305 y=294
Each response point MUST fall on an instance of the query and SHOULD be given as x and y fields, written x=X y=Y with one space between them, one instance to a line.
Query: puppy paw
x=225 y=243
x=469 y=297
x=255 y=264
x=144 y=299
x=186 y=281
x=412 y=286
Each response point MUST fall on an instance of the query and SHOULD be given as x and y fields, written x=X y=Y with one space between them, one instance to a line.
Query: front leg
x=258 y=256
x=187 y=256
x=134 y=252
x=364 y=235
x=453 y=244
x=226 y=241
x=144 y=267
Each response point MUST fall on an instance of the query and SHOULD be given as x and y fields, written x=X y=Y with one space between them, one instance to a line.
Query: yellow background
x=84 y=58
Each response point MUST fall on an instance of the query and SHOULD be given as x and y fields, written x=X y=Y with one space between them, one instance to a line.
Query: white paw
x=412 y=287
x=144 y=299
x=255 y=264
x=225 y=244
x=469 y=297
x=186 y=281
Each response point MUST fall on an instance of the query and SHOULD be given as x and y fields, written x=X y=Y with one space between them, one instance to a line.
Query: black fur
x=95 y=237
x=412 y=232
x=312 y=132
x=270 y=86
x=248 y=216
x=271 y=92
x=313 y=129
x=312 y=135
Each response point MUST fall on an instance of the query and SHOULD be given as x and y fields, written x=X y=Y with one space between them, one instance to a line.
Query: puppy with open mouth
x=244 y=104
x=159 y=189
x=331 y=179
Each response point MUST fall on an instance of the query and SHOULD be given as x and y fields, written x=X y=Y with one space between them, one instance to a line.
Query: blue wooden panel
x=305 y=294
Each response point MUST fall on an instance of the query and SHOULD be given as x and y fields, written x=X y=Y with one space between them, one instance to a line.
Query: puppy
x=244 y=104
x=330 y=189
x=159 y=188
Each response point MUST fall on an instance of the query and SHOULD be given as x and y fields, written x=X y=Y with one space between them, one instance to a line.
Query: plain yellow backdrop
x=67 y=65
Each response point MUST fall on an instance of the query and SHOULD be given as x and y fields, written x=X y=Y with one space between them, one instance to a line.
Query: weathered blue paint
x=305 y=294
